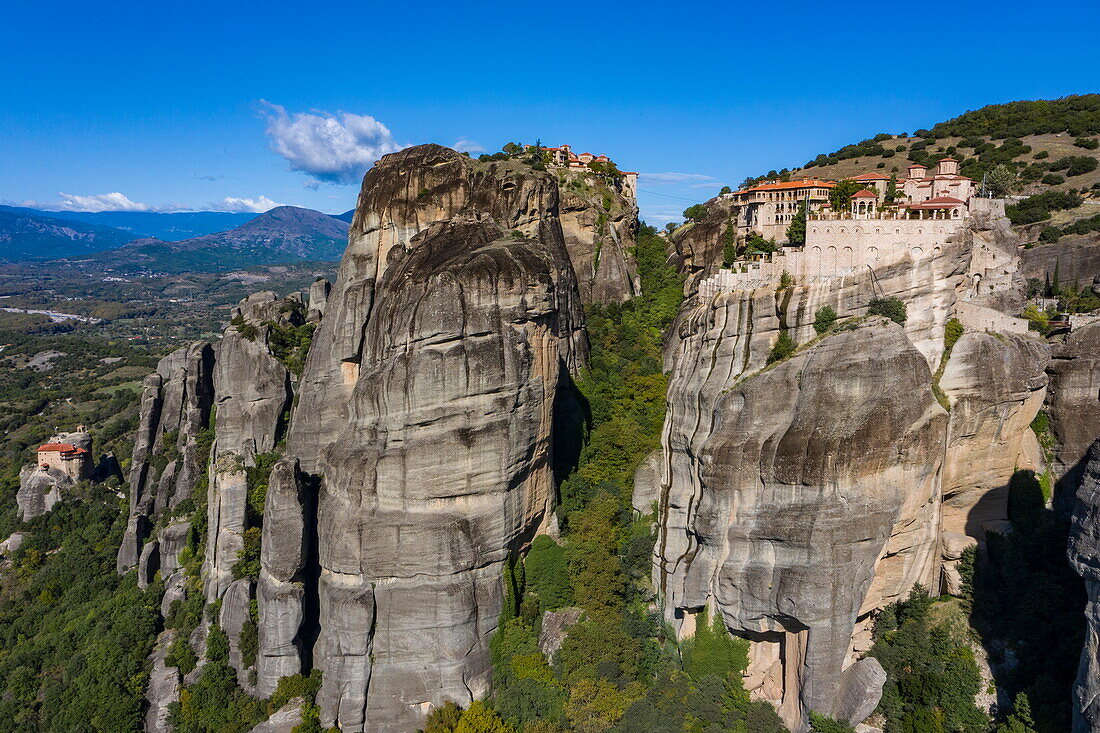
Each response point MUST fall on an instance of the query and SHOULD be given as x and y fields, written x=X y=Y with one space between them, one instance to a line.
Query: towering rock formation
x=41 y=483
x=175 y=407
x=796 y=499
x=425 y=414
x=778 y=511
x=252 y=390
x=1074 y=408
x=1084 y=555
x=598 y=219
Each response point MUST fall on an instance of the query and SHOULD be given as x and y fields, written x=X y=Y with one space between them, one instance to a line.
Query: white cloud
x=337 y=148
x=100 y=202
x=255 y=206
x=468 y=146
x=667 y=178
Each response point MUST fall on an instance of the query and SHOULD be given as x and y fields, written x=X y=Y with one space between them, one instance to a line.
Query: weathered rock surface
x=288 y=513
x=698 y=247
x=253 y=396
x=782 y=492
x=39 y=490
x=425 y=410
x=175 y=402
x=555 y=626
x=1074 y=407
x=284 y=720
x=598 y=221
x=164 y=687
x=995 y=385
x=1084 y=555
x=318 y=299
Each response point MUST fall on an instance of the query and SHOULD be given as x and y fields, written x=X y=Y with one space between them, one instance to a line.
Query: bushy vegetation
x=75 y=635
x=824 y=319
x=1039 y=207
x=1079 y=115
x=892 y=308
x=932 y=676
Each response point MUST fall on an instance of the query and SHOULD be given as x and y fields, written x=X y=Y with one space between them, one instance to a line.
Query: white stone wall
x=976 y=317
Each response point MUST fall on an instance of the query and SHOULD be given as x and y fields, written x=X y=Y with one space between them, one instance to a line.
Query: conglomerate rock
x=1084 y=555
x=1073 y=405
x=425 y=414
x=777 y=511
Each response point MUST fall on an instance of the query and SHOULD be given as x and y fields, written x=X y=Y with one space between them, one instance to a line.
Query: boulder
x=555 y=626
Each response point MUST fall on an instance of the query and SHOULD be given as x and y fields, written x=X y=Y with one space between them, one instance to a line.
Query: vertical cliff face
x=425 y=420
x=1074 y=407
x=175 y=406
x=777 y=510
x=1084 y=555
x=599 y=221
x=401 y=197
x=253 y=394
x=785 y=503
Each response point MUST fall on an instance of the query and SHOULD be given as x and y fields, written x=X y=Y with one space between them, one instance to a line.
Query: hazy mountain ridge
x=283 y=234
x=32 y=237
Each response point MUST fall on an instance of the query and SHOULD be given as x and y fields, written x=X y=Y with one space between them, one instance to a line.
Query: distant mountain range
x=26 y=236
x=227 y=240
x=283 y=234
x=169 y=226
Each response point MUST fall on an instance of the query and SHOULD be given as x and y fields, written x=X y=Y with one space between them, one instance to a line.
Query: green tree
x=824 y=724
x=729 y=243
x=824 y=319
x=783 y=347
x=891 y=189
x=696 y=212
x=1000 y=181
x=796 y=232
x=713 y=651
x=892 y=308
x=726 y=189
x=547 y=573
x=480 y=718
x=841 y=195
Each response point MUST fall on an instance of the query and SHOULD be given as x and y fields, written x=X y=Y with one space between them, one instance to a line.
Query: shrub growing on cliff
x=892 y=308
x=698 y=212
x=783 y=347
x=824 y=319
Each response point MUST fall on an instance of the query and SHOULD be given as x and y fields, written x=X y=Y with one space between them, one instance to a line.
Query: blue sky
x=240 y=105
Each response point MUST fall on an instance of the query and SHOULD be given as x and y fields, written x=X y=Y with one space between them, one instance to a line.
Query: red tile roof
x=56 y=448
x=940 y=202
x=783 y=185
x=864 y=194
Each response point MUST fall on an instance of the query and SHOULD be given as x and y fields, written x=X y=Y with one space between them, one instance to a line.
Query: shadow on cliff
x=572 y=418
x=1028 y=603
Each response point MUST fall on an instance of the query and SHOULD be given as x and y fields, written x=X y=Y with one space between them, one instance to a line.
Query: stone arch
x=878 y=230
x=859 y=230
x=830 y=260
x=843 y=230
x=916 y=252
x=848 y=258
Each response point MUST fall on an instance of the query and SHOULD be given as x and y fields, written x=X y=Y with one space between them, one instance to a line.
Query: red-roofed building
x=564 y=157
x=769 y=208
x=74 y=461
x=945 y=182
